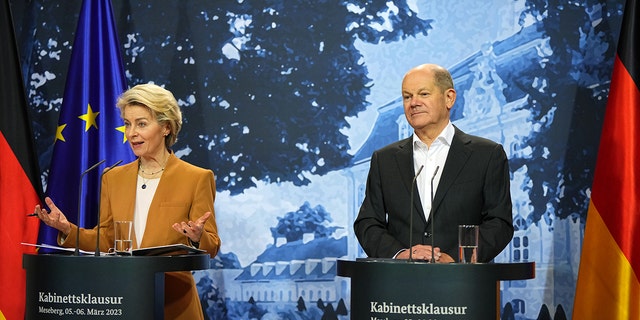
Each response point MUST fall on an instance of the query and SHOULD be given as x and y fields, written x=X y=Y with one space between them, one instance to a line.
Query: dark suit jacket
x=185 y=192
x=473 y=189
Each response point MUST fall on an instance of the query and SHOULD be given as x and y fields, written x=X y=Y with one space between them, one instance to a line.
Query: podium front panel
x=109 y=287
x=419 y=291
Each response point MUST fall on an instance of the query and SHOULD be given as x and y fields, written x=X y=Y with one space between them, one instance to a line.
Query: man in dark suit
x=469 y=175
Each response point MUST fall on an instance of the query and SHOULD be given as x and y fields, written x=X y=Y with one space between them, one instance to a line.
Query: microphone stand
x=413 y=183
x=99 y=202
x=84 y=173
x=433 y=258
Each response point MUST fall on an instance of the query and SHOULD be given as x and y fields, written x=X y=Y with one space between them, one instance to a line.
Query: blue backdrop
x=286 y=100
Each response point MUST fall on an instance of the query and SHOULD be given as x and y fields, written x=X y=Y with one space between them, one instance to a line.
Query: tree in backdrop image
x=271 y=85
x=305 y=220
x=576 y=73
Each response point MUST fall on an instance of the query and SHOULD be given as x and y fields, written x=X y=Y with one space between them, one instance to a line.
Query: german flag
x=608 y=286
x=20 y=187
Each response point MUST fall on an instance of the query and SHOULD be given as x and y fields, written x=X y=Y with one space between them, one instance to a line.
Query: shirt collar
x=445 y=137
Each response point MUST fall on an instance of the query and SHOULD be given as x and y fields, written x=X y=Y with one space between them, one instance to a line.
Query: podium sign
x=106 y=287
x=397 y=289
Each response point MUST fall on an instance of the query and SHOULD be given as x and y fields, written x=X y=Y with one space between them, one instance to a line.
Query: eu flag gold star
x=124 y=136
x=89 y=118
x=59 y=135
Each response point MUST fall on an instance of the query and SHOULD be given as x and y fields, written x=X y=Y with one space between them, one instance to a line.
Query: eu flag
x=89 y=127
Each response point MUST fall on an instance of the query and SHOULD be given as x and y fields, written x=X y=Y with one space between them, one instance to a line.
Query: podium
x=105 y=287
x=399 y=289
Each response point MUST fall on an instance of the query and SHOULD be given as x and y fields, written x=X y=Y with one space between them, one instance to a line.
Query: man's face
x=425 y=104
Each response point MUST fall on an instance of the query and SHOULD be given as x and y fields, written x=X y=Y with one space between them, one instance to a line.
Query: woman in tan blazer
x=169 y=200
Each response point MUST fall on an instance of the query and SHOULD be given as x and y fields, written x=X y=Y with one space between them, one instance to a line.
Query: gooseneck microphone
x=84 y=173
x=99 y=202
x=433 y=258
x=413 y=183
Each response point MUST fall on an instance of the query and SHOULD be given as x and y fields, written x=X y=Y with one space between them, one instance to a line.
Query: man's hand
x=423 y=252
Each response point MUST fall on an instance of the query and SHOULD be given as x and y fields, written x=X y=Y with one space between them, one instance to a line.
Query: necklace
x=151 y=173
x=144 y=181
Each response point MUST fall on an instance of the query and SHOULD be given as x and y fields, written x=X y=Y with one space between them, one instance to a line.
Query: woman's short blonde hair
x=161 y=103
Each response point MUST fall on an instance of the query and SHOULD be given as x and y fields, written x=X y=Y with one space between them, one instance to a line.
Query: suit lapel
x=164 y=190
x=404 y=160
x=162 y=185
x=458 y=156
x=124 y=189
x=128 y=190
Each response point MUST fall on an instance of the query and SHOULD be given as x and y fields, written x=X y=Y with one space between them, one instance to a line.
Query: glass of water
x=123 y=237
x=468 y=243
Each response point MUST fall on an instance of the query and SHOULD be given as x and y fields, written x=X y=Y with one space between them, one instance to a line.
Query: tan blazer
x=185 y=192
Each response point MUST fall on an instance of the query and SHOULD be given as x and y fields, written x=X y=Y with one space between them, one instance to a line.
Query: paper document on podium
x=64 y=249
x=168 y=250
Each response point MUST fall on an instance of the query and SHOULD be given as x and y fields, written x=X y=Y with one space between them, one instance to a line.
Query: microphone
x=413 y=183
x=433 y=258
x=99 y=201
x=84 y=173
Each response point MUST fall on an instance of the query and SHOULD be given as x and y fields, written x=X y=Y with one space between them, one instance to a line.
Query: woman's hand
x=192 y=229
x=55 y=219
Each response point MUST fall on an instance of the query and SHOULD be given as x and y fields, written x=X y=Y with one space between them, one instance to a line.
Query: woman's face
x=144 y=133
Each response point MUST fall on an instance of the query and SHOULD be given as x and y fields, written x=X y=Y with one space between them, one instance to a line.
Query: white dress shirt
x=431 y=158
